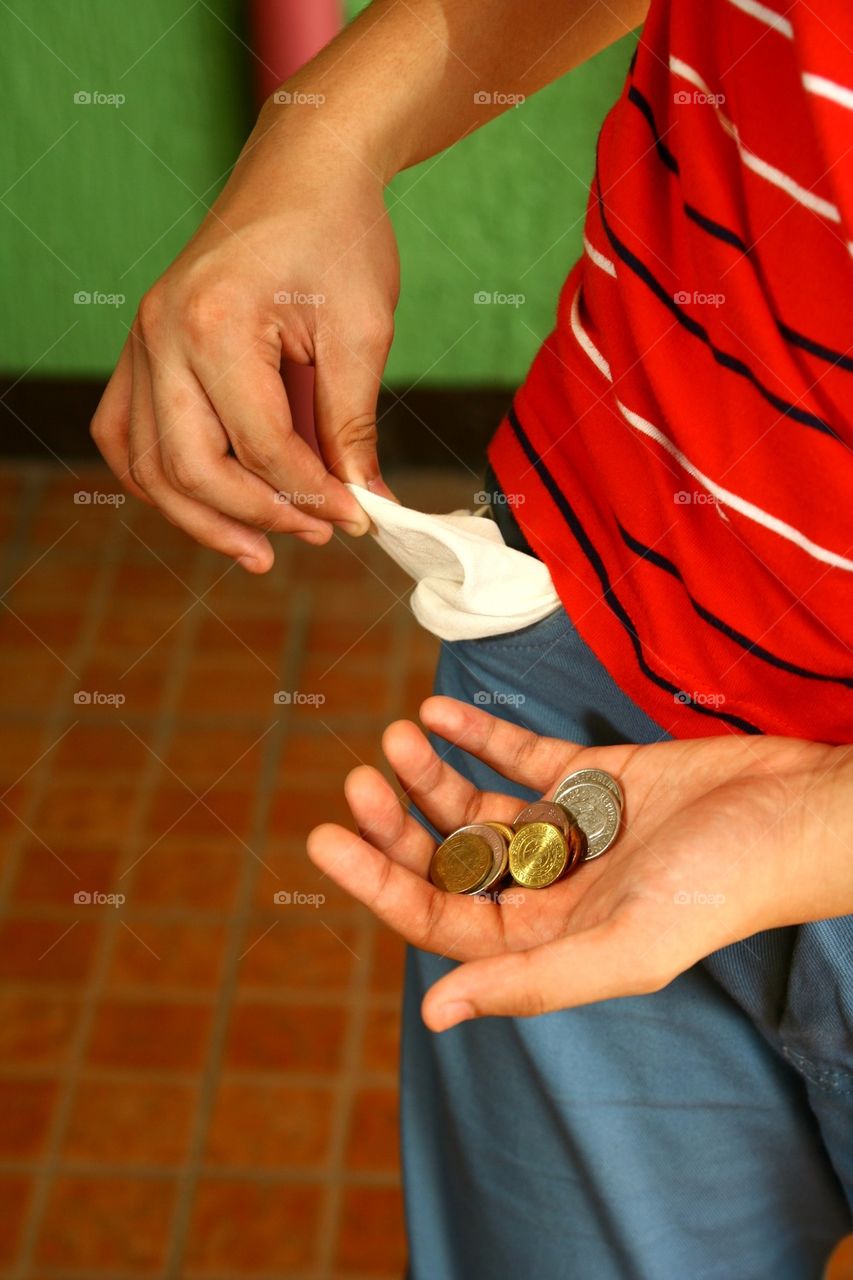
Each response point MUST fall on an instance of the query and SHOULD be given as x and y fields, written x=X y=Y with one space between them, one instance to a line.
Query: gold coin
x=538 y=855
x=460 y=863
x=500 y=835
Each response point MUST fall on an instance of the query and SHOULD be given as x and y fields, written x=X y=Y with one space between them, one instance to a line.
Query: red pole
x=286 y=34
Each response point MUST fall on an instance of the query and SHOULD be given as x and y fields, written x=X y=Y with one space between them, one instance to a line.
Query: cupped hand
x=295 y=259
x=717 y=843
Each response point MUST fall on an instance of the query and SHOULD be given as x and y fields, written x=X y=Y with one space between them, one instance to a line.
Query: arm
x=401 y=82
x=297 y=259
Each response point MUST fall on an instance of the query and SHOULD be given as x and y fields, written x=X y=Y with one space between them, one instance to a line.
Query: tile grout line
x=54 y=719
x=93 y=990
x=95 y=607
x=331 y=1219
x=83 y=1273
x=290 y=663
x=298 y=1175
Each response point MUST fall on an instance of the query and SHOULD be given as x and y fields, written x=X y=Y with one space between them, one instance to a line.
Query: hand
x=195 y=419
x=722 y=837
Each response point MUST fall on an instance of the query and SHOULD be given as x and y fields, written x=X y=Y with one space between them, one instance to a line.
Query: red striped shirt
x=680 y=453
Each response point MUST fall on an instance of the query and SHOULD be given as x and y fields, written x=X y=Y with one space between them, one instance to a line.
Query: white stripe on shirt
x=762 y=168
x=724 y=496
x=599 y=258
x=769 y=17
x=828 y=89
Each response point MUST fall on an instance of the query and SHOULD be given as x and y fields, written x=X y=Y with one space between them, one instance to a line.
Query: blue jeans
x=701 y=1133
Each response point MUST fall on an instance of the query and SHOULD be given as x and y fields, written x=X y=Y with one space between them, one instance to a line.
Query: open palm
x=710 y=852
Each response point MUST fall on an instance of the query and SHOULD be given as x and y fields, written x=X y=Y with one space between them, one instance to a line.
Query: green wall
x=99 y=198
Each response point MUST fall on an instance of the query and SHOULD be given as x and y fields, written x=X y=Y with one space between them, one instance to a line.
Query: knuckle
x=204 y=311
x=184 y=472
x=525 y=752
x=359 y=431
x=374 y=330
x=382 y=886
x=141 y=471
x=256 y=456
x=531 y=1001
x=432 y=913
x=97 y=428
x=150 y=313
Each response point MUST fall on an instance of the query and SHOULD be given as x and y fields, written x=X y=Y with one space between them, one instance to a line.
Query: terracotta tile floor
x=198 y=1082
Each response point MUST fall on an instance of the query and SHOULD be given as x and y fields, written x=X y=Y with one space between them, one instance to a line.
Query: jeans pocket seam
x=829 y=1079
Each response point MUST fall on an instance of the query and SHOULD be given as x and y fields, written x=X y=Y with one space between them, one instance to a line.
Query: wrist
x=828 y=813
x=318 y=123
x=813 y=877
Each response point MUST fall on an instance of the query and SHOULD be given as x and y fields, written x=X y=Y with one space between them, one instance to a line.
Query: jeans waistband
x=501 y=512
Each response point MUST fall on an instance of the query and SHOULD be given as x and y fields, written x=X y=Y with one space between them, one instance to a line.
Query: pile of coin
x=548 y=839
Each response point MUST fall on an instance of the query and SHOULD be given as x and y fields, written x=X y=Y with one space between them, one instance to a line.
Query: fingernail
x=355 y=529
x=249 y=562
x=379 y=487
x=314 y=536
x=451 y=1014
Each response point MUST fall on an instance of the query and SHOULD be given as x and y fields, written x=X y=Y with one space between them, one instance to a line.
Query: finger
x=348 y=372
x=509 y=749
x=250 y=548
x=445 y=798
x=446 y=923
x=248 y=395
x=382 y=820
x=595 y=964
x=194 y=451
x=110 y=427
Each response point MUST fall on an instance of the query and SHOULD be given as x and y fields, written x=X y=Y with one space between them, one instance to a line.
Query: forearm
x=401 y=83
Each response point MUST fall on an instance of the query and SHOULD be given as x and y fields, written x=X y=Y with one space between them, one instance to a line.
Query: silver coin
x=543 y=811
x=500 y=854
x=595 y=775
x=595 y=810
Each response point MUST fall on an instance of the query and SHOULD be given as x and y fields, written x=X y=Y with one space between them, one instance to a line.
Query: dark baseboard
x=48 y=418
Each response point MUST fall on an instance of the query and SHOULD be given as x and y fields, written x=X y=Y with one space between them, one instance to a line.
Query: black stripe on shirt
x=751 y=646
x=815 y=348
x=720 y=232
x=723 y=358
x=612 y=600
x=643 y=106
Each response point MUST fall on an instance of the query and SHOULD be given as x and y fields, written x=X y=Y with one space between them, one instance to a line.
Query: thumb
x=595 y=964
x=348 y=374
